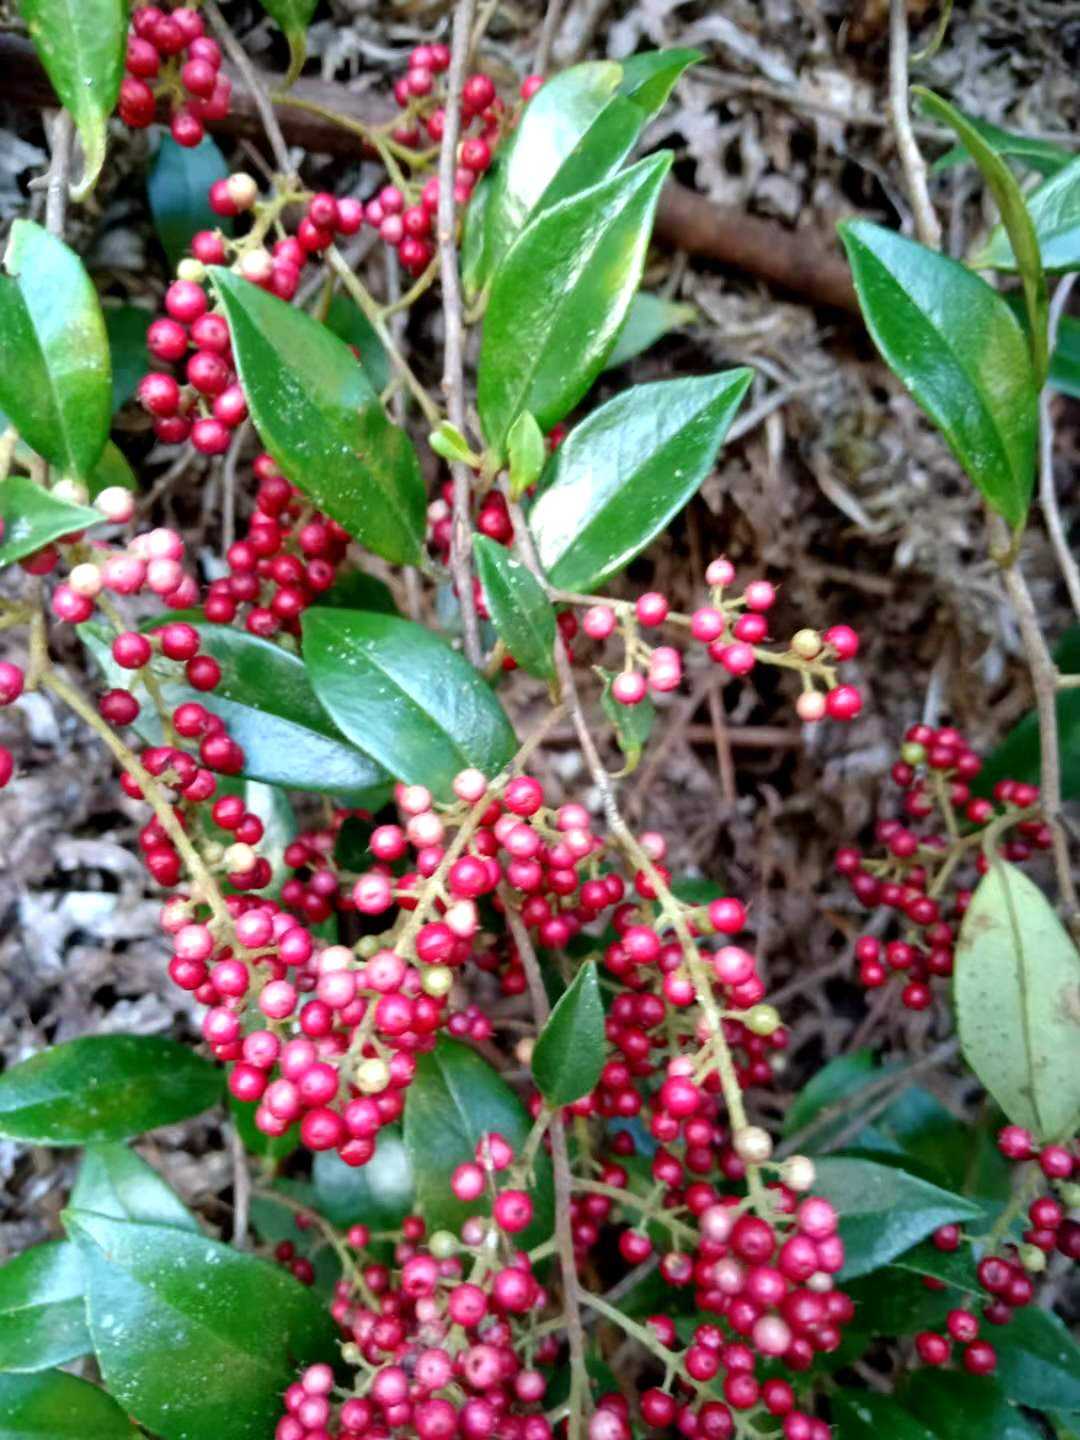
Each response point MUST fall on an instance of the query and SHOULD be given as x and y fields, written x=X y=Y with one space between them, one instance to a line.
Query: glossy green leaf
x=621 y=475
x=648 y=320
x=961 y=1407
x=559 y=298
x=833 y=1083
x=1014 y=217
x=865 y=1415
x=1038 y=1361
x=32 y=518
x=1065 y=361
x=883 y=1210
x=104 y=1087
x=598 y=154
x=126 y=327
x=379 y=1194
x=178 y=184
x=475 y=270
x=194 y=1338
x=357 y=590
x=1017 y=993
x=82 y=44
x=319 y=417
x=1019 y=756
x=632 y=723
x=526 y=454
x=1041 y=155
x=404 y=697
x=649 y=78
x=520 y=611
x=349 y=323
x=55 y=378
x=294 y=16
x=56 y=1406
x=955 y=344
x=266 y=700
x=42 y=1316
x=550 y=129
x=895 y=1299
x=1055 y=212
x=115 y=1181
x=273 y=1148
x=455 y=1099
x=111 y=470
x=570 y=1049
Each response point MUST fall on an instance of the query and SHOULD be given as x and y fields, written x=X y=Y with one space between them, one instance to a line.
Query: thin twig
x=59 y=173
x=1044 y=680
x=1047 y=489
x=257 y=89
x=563 y=1183
x=241 y=1177
x=454 y=344
x=927 y=225
x=552 y=18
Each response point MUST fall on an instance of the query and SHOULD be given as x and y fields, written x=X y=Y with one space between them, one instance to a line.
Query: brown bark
x=804 y=263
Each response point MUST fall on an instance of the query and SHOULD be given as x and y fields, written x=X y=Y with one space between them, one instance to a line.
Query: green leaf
x=1017 y=995
x=960 y=1407
x=404 y=697
x=194 y=1338
x=294 y=16
x=269 y=1147
x=527 y=454
x=1041 y=155
x=111 y=469
x=126 y=327
x=57 y=1406
x=320 y=419
x=844 y=1076
x=1055 y=212
x=570 y=1049
x=1019 y=756
x=357 y=590
x=883 y=1210
x=1014 y=217
x=864 y=1415
x=379 y=1194
x=349 y=323
x=1038 y=1361
x=455 y=1099
x=104 y=1087
x=520 y=611
x=632 y=723
x=559 y=298
x=115 y=1181
x=32 y=518
x=269 y=707
x=621 y=475
x=473 y=252
x=82 y=44
x=55 y=380
x=178 y=185
x=648 y=79
x=1065 y=361
x=42 y=1317
x=648 y=320
x=550 y=129
x=955 y=344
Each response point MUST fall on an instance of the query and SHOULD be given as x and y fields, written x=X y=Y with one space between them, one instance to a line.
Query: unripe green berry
x=191 y=269
x=762 y=1020
x=372 y=1076
x=806 y=644
x=437 y=981
x=912 y=753
x=798 y=1173
x=1032 y=1259
x=443 y=1245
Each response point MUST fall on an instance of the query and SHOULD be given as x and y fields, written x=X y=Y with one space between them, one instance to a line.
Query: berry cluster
x=1005 y=1272
x=932 y=855
x=170 y=57
x=439 y=1348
